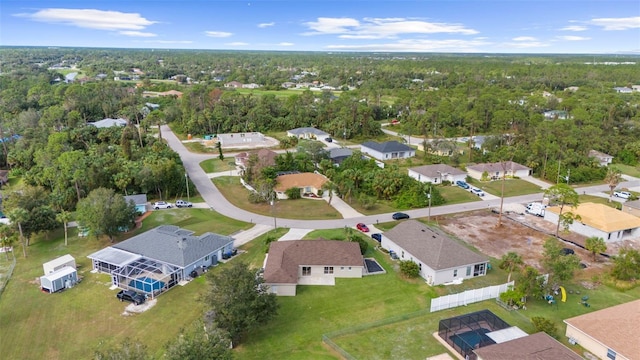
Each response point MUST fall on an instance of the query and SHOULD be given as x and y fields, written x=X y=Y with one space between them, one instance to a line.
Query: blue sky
x=514 y=26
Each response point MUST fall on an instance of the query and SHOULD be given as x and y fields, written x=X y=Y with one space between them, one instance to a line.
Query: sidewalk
x=342 y=207
x=234 y=172
x=245 y=236
x=543 y=184
x=295 y=234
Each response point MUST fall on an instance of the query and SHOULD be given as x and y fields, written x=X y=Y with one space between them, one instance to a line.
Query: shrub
x=268 y=241
x=546 y=325
x=293 y=193
x=362 y=242
x=409 y=269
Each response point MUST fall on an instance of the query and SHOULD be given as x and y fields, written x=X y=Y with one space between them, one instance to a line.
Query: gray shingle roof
x=308 y=130
x=104 y=123
x=386 y=147
x=340 y=153
x=174 y=245
x=436 y=170
x=539 y=346
x=433 y=248
x=497 y=167
x=138 y=199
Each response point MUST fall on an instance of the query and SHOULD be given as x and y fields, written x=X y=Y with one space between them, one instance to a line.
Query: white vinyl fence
x=468 y=297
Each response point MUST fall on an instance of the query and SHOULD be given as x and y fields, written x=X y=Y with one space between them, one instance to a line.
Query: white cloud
x=381 y=28
x=265 y=25
x=168 y=41
x=525 y=44
x=218 y=34
x=617 y=23
x=137 y=33
x=417 y=45
x=524 y=38
x=574 y=28
x=285 y=44
x=237 y=43
x=573 y=38
x=91 y=19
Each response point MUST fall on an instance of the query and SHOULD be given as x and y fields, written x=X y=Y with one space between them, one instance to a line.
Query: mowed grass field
x=74 y=323
x=305 y=209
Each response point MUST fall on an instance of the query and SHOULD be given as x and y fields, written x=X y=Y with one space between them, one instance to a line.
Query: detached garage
x=61 y=279
x=59 y=263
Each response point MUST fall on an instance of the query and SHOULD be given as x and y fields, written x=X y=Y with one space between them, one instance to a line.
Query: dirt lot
x=523 y=234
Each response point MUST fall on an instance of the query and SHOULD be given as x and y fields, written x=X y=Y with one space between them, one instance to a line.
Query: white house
x=59 y=263
x=602 y=158
x=441 y=259
x=310 y=262
x=307 y=133
x=623 y=90
x=105 y=123
x=437 y=173
x=610 y=333
x=598 y=220
x=496 y=170
x=387 y=150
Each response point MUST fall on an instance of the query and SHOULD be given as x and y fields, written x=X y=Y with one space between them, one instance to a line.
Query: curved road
x=217 y=202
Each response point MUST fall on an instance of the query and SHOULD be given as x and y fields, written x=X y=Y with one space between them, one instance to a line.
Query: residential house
x=310 y=262
x=441 y=259
x=632 y=207
x=308 y=183
x=602 y=158
x=70 y=77
x=233 y=85
x=265 y=158
x=495 y=171
x=176 y=93
x=387 y=150
x=139 y=201
x=623 y=90
x=251 y=86
x=610 y=333
x=288 y=84
x=556 y=115
x=598 y=220
x=152 y=106
x=437 y=173
x=635 y=87
x=538 y=346
x=572 y=88
x=307 y=133
x=107 y=123
x=338 y=155
x=158 y=259
x=440 y=147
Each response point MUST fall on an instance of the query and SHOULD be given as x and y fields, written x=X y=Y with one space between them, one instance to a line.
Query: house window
x=403 y=254
x=455 y=273
x=306 y=270
x=206 y=258
x=611 y=354
x=349 y=267
x=420 y=266
x=328 y=269
x=341 y=267
x=468 y=270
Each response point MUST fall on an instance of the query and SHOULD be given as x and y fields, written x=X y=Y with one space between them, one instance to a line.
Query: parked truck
x=536 y=209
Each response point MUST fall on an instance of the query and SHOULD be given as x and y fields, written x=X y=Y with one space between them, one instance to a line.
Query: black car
x=567 y=251
x=377 y=236
x=328 y=139
x=131 y=296
x=399 y=216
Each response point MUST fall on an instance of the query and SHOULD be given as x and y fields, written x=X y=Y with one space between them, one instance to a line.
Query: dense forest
x=43 y=117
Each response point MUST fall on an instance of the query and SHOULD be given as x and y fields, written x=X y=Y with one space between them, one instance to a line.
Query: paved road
x=217 y=202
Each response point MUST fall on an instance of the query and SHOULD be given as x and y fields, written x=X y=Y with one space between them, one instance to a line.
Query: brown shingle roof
x=539 y=346
x=285 y=257
x=601 y=217
x=497 y=167
x=266 y=157
x=299 y=180
x=435 y=249
x=615 y=327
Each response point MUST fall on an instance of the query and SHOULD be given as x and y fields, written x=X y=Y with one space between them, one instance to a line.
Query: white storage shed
x=59 y=263
x=58 y=280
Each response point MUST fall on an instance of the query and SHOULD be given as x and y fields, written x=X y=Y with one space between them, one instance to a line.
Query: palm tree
x=19 y=216
x=64 y=217
x=329 y=187
x=7 y=237
x=613 y=178
x=510 y=261
x=595 y=245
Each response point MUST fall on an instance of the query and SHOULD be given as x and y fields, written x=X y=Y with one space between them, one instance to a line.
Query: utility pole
x=273 y=203
x=186 y=179
x=429 y=197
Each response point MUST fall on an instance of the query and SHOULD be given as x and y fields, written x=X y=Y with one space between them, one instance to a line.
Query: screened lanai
x=148 y=276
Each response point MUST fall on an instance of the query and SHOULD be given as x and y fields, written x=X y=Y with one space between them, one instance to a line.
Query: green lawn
x=599 y=200
x=306 y=209
x=88 y=316
x=198 y=148
x=512 y=187
x=456 y=195
x=217 y=165
x=628 y=169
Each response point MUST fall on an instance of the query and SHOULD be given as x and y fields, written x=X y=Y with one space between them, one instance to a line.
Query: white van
x=536 y=209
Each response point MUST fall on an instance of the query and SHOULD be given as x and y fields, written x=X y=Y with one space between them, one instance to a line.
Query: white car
x=477 y=191
x=622 y=194
x=161 y=205
x=182 y=203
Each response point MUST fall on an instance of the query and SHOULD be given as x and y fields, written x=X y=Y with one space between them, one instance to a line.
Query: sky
x=451 y=26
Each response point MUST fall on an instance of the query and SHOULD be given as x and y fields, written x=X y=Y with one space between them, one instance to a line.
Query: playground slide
x=564 y=294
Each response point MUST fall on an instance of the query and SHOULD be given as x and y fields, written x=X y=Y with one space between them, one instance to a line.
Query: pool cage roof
x=147 y=270
x=469 y=331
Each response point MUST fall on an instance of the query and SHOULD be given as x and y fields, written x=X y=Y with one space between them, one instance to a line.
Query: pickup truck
x=182 y=203
x=161 y=205
x=131 y=296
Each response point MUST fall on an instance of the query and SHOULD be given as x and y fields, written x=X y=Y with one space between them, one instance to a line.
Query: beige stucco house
x=610 y=333
x=497 y=170
x=308 y=183
x=310 y=262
